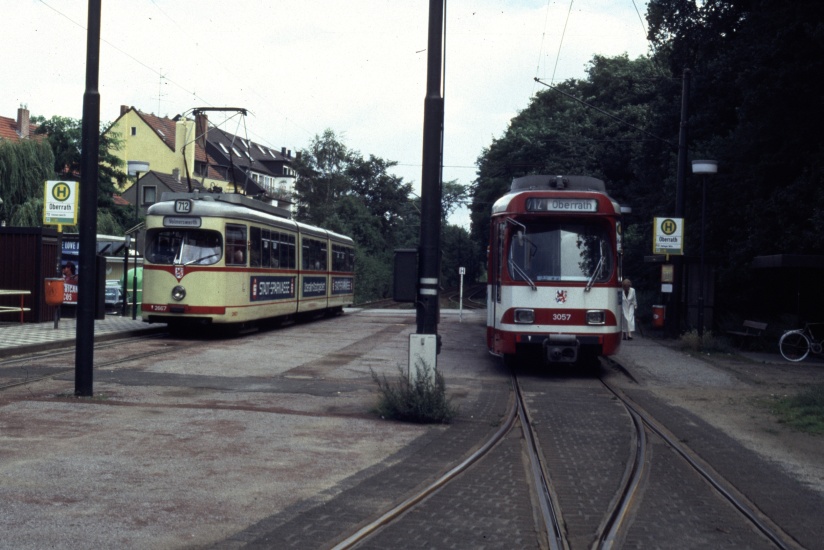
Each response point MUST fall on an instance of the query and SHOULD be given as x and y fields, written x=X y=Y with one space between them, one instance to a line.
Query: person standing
x=629 y=304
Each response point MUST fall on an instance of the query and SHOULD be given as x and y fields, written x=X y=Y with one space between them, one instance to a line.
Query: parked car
x=114 y=300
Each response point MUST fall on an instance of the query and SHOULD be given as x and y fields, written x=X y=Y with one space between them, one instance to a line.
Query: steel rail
x=615 y=522
x=783 y=542
x=368 y=529
x=549 y=512
x=96 y=366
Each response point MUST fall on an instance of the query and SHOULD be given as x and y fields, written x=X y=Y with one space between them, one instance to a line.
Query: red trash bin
x=54 y=291
x=658 y=315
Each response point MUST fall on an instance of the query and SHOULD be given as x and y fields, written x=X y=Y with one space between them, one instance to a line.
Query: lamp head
x=137 y=167
x=704 y=167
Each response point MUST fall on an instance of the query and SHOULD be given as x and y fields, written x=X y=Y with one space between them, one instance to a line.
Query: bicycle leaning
x=796 y=345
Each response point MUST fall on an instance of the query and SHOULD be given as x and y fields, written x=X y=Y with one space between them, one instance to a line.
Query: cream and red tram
x=554 y=270
x=226 y=258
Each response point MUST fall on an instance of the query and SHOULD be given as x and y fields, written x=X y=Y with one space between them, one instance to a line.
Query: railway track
x=31 y=368
x=610 y=529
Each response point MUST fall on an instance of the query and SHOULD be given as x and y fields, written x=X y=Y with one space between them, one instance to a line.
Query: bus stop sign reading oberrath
x=668 y=236
x=60 y=204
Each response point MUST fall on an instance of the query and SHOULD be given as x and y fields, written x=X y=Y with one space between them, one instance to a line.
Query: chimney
x=201 y=129
x=283 y=151
x=176 y=174
x=124 y=109
x=23 y=125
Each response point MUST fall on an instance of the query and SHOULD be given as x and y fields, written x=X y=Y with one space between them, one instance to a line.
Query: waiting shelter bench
x=750 y=331
x=15 y=309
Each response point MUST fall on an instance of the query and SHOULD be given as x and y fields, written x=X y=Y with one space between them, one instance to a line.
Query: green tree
x=756 y=108
x=65 y=137
x=341 y=190
x=24 y=168
x=603 y=126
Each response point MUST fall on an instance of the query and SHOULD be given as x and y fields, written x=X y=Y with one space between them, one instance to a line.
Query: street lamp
x=705 y=168
x=135 y=168
x=127 y=242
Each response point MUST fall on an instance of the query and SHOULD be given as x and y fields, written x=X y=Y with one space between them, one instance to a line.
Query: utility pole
x=674 y=319
x=424 y=346
x=87 y=279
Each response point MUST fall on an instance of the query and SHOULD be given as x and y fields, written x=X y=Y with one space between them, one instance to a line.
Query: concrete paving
x=269 y=441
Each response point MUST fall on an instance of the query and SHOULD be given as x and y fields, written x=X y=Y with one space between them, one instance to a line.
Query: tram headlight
x=596 y=317
x=178 y=292
x=525 y=316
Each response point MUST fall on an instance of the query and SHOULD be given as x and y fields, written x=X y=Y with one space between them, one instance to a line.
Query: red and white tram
x=229 y=259
x=554 y=270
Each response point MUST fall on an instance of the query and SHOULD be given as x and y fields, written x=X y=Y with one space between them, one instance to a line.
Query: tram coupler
x=561 y=348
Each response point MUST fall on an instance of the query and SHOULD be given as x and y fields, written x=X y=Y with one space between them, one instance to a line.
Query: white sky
x=301 y=66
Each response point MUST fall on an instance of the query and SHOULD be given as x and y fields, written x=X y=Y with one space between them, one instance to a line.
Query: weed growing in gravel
x=803 y=411
x=422 y=400
x=690 y=341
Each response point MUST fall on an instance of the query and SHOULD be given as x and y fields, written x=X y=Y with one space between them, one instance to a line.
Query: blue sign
x=343 y=285
x=314 y=286
x=264 y=288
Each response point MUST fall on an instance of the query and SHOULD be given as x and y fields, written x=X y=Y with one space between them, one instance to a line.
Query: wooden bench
x=750 y=331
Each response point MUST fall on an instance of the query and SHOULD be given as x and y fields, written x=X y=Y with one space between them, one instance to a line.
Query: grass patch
x=804 y=411
x=422 y=400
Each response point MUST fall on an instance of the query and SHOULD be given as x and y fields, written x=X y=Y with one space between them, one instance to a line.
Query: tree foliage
x=339 y=189
x=65 y=135
x=754 y=106
x=26 y=165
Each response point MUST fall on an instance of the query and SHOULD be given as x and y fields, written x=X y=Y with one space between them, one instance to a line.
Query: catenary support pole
x=674 y=316
x=429 y=251
x=87 y=219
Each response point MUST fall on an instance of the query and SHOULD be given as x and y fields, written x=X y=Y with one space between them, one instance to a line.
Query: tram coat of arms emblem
x=179 y=272
x=560 y=296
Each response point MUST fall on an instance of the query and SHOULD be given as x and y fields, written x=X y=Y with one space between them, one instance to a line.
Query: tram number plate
x=561 y=317
x=183 y=206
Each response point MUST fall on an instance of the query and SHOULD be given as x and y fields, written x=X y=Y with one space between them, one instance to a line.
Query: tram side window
x=314 y=255
x=286 y=250
x=255 y=246
x=343 y=258
x=235 y=244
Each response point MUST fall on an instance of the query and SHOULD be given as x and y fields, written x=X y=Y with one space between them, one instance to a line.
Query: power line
x=603 y=112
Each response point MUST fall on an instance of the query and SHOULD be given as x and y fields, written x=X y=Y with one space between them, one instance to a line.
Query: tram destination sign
x=180 y=221
x=560 y=204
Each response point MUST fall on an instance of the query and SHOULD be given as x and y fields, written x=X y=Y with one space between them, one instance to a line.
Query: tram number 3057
x=561 y=316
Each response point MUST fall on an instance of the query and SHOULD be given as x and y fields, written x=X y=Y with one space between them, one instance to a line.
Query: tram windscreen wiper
x=517 y=269
x=597 y=270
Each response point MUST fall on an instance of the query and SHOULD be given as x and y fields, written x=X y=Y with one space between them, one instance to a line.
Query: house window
x=149 y=194
x=134 y=130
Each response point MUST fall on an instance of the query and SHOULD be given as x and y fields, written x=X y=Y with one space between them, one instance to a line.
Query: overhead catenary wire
x=603 y=112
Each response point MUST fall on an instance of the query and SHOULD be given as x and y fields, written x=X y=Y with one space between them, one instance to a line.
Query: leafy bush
x=422 y=400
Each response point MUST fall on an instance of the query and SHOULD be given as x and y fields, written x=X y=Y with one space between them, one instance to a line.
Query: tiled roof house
x=19 y=129
x=183 y=150
x=253 y=168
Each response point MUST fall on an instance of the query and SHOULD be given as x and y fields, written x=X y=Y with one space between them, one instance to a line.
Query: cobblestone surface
x=680 y=510
x=487 y=507
x=792 y=505
x=586 y=438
